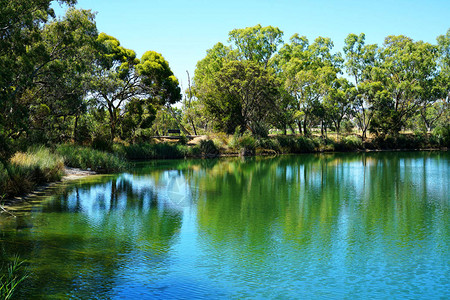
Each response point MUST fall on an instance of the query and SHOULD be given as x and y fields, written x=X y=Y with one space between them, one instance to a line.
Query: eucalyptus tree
x=257 y=43
x=241 y=94
x=441 y=107
x=339 y=102
x=243 y=100
x=360 y=60
x=56 y=99
x=22 y=55
x=407 y=70
x=309 y=71
x=121 y=77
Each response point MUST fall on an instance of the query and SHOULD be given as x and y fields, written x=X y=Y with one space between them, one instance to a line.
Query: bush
x=193 y=151
x=292 y=144
x=43 y=165
x=441 y=135
x=247 y=142
x=268 y=144
x=24 y=170
x=87 y=158
x=287 y=143
x=144 y=151
x=347 y=126
x=20 y=181
x=349 y=143
x=305 y=144
x=208 y=148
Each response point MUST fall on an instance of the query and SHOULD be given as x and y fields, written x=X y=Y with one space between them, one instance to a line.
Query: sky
x=182 y=30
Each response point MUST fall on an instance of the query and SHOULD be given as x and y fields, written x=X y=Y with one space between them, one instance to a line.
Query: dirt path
x=76 y=173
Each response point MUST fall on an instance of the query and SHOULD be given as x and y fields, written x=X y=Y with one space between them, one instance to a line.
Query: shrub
x=347 y=126
x=208 y=148
x=287 y=143
x=183 y=140
x=43 y=165
x=305 y=144
x=349 y=143
x=247 y=142
x=20 y=181
x=442 y=135
x=268 y=144
x=194 y=151
x=87 y=158
x=143 y=151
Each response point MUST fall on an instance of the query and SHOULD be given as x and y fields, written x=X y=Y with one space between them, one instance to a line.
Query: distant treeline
x=62 y=81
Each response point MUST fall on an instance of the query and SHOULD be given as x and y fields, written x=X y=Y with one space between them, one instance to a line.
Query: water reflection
x=331 y=225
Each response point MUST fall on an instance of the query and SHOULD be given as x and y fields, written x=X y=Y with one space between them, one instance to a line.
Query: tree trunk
x=74 y=136
x=305 y=131
x=299 y=123
x=292 y=129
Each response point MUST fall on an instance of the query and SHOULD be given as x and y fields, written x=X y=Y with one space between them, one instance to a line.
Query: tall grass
x=11 y=276
x=27 y=169
x=144 y=151
x=43 y=165
x=87 y=158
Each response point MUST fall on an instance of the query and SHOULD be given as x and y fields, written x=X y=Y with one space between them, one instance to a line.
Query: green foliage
x=292 y=144
x=11 y=276
x=349 y=143
x=160 y=83
x=25 y=170
x=268 y=144
x=402 y=141
x=4 y=177
x=246 y=143
x=208 y=148
x=256 y=43
x=46 y=166
x=87 y=158
x=240 y=94
x=441 y=135
x=143 y=151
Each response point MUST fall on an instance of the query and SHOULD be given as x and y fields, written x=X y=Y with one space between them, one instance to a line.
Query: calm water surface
x=310 y=226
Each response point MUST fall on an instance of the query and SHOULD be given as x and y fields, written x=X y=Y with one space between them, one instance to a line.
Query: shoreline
x=77 y=173
x=69 y=175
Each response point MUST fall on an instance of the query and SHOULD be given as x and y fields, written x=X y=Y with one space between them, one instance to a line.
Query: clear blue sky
x=182 y=30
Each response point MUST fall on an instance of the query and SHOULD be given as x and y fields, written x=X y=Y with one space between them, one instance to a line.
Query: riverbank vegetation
x=11 y=275
x=95 y=104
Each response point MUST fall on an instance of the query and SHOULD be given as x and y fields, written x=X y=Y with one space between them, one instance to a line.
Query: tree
x=115 y=81
x=61 y=84
x=339 y=103
x=257 y=43
x=22 y=55
x=121 y=77
x=241 y=94
x=309 y=71
x=361 y=59
x=407 y=69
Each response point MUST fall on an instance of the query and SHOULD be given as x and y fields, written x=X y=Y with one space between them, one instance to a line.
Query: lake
x=355 y=225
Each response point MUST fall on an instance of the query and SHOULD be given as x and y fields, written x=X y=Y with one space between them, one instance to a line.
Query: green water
x=310 y=226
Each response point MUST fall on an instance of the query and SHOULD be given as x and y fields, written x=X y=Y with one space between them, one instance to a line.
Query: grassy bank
x=25 y=170
x=225 y=145
x=90 y=159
